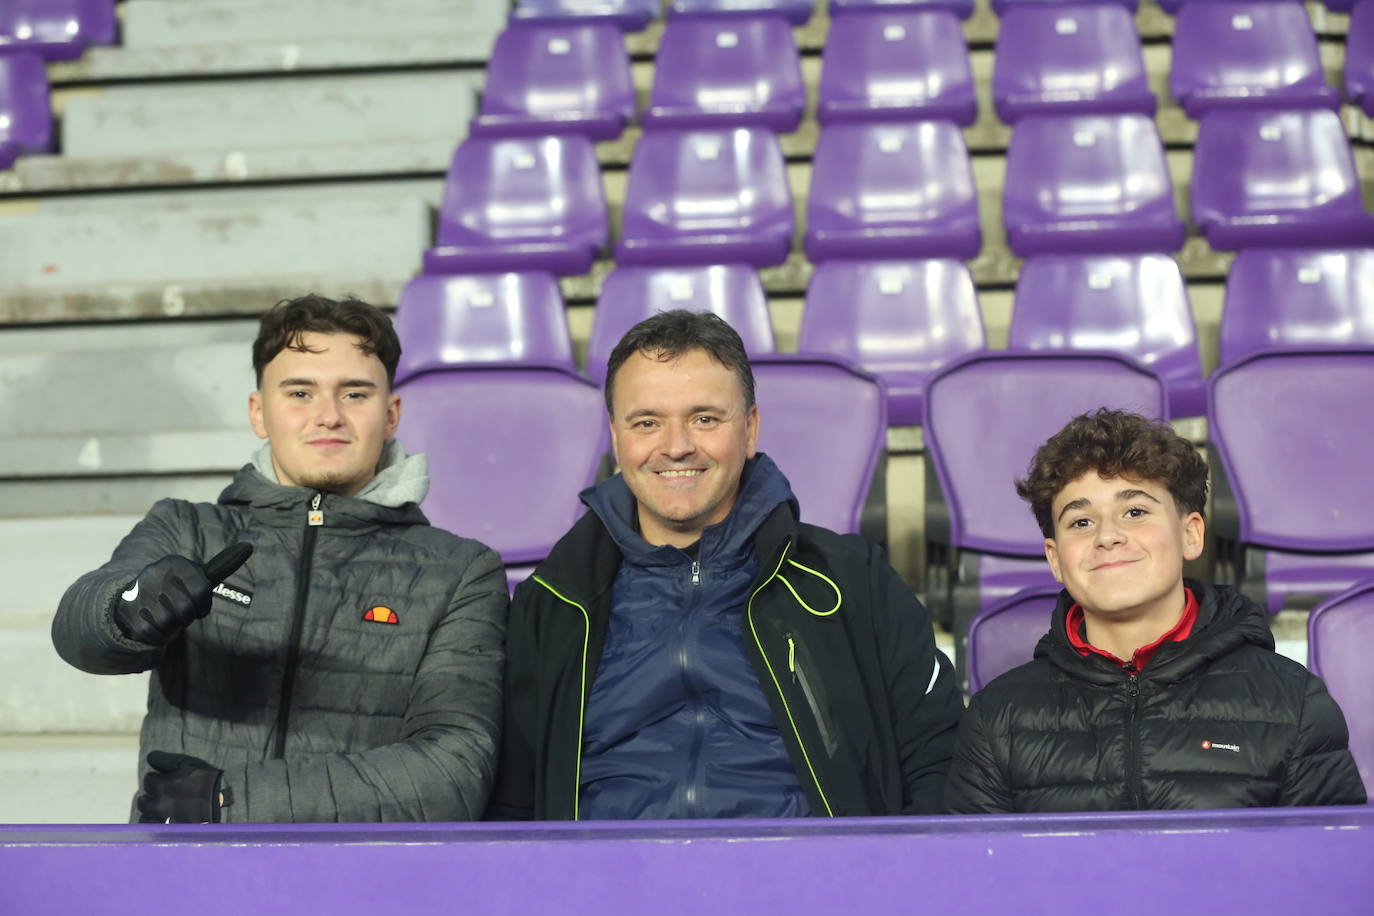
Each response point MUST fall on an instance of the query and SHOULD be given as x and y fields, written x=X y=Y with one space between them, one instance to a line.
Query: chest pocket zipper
x=799 y=678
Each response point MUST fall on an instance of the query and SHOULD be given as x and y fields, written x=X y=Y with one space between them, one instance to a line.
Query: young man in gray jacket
x=318 y=651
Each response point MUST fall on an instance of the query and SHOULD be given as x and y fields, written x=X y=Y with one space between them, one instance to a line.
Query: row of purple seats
x=56 y=29
x=633 y=15
x=25 y=108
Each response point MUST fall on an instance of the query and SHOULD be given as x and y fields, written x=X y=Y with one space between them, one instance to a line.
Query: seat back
x=629 y=15
x=1359 y=57
x=481 y=318
x=794 y=12
x=900 y=320
x=1339 y=634
x=987 y=414
x=830 y=467
x=558 y=78
x=631 y=294
x=1053 y=59
x=961 y=8
x=892 y=190
x=1003 y=636
x=56 y=29
x=1281 y=297
x=1294 y=431
x=896 y=64
x=509 y=449
x=1088 y=183
x=1237 y=55
x=1135 y=305
x=718 y=72
x=25 y=107
x=1263 y=177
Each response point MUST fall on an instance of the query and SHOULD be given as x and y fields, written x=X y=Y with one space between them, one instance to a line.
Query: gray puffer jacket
x=314 y=712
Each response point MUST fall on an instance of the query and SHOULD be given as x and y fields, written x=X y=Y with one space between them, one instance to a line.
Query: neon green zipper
x=582 y=707
x=791 y=721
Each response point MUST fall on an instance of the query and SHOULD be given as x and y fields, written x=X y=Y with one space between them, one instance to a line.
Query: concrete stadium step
x=162 y=40
x=67 y=779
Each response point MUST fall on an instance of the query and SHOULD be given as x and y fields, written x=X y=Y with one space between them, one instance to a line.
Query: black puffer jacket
x=1216 y=721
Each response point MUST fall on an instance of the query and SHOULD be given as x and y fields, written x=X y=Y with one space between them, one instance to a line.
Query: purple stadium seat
x=481 y=318
x=1339 y=633
x=831 y=474
x=1359 y=57
x=899 y=63
x=1133 y=305
x=521 y=203
x=1088 y=183
x=986 y=415
x=796 y=12
x=628 y=15
x=555 y=79
x=1000 y=7
x=509 y=449
x=1297 y=297
x=1276 y=178
x=56 y=29
x=25 y=109
x=1173 y=6
x=631 y=294
x=888 y=190
x=961 y=8
x=1063 y=59
x=707 y=197
x=1003 y=636
x=1256 y=54
x=723 y=72
x=899 y=320
x=1292 y=432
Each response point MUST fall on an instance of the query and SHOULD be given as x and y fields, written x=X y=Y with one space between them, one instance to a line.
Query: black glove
x=172 y=593
x=180 y=789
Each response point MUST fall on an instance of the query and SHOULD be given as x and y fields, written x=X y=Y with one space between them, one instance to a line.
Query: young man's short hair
x=283 y=325
x=671 y=334
x=1114 y=443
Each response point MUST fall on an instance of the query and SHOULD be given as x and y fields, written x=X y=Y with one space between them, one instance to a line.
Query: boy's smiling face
x=1119 y=546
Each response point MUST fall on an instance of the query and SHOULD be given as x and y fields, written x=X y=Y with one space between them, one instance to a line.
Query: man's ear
x=393 y=414
x=1052 y=555
x=255 y=415
x=1194 y=534
x=752 y=424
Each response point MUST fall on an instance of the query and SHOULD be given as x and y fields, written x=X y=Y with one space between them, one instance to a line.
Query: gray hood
x=400 y=479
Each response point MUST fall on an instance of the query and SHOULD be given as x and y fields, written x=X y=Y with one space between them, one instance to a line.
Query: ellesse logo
x=233 y=594
x=381 y=614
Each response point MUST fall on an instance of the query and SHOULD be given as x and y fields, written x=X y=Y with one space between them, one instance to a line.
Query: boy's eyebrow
x=1135 y=494
x=1081 y=502
x=302 y=382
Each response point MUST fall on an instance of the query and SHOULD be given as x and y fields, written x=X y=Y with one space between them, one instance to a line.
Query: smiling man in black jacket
x=1150 y=690
x=690 y=649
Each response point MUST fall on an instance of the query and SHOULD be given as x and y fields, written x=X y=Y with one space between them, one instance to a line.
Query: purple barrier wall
x=1237 y=862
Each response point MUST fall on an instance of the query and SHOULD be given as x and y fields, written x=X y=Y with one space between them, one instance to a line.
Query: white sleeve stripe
x=935 y=675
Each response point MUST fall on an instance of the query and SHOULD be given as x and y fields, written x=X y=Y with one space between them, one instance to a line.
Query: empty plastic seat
x=1276 y=178
x=1000 y=7
x=986 y=415
x=896 y=64
x=631 y=294
x=521 y=204
x=481 y=318
x=557 y=78
x=796 y=12
x=1238 y=55
x=889 y=190
x=707 y=197
x=1277 y=297
x=1291 y=434
x=56 y=29
x=1088 y=183
x=831 y=474
x=509 y=449
x=25 y=108
x=1339 y=633
x=713 y=72
x=1059 y=59
x=961 y=8
x=1359 y=57
x=629 y=15
x=1134 y=305
x=899 y=320
x=1003 y=636
x=1174 y=6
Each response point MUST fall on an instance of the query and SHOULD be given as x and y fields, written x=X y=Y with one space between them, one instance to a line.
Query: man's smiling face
x=682 y=433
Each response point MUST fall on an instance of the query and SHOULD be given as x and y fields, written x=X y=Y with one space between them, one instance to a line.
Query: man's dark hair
x=668 y=335
x=1114 y=443
x=284 y=323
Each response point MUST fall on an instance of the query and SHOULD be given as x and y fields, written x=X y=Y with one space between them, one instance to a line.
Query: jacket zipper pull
x=791 y=656
x=315 y=517
x=696 y=572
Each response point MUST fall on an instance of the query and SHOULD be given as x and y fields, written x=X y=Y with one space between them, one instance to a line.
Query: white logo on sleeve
x=1214 y=746
x=132 y=593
